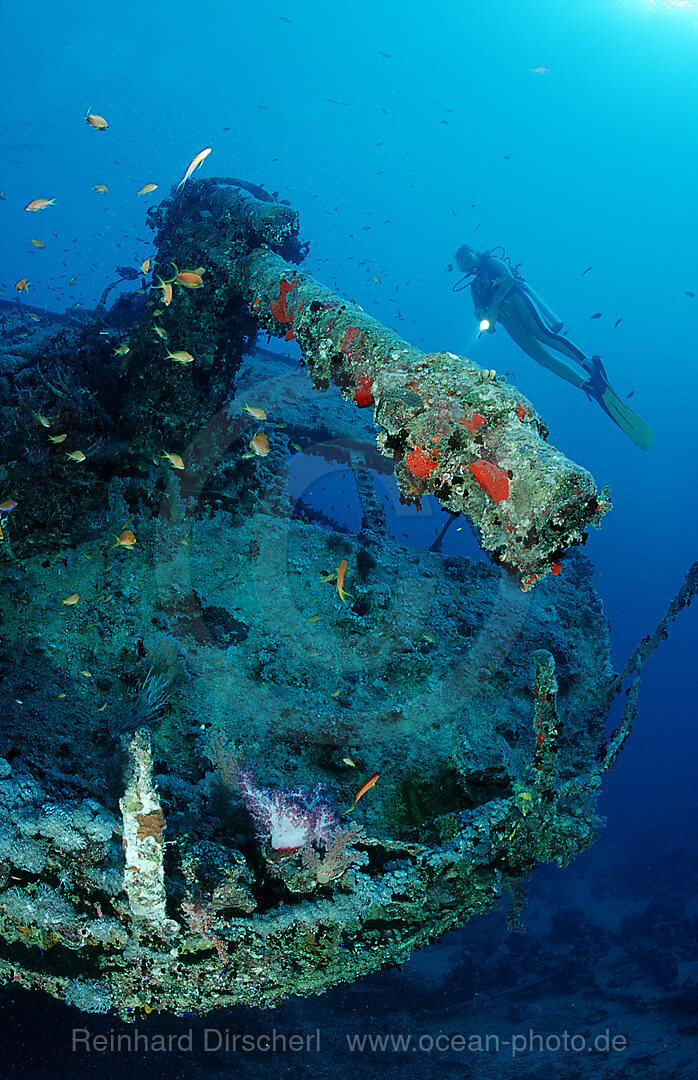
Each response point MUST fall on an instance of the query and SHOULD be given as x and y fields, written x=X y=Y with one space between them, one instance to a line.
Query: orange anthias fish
x=6 y=505
x=174 y=460
x=96 y=121
x=37 y=243
x=125 y=540
x=145 y=266
x=341 y=573
x=194 y=164
x=101 y=188
x=254 y=410
x=366 y=786
x=189 y=279
x=147 y=188
x=166 y=291
x=180 y=357
x=39 y=204
x=71 y=600
x=22 y=285
x=260 y=444
x=75 y=455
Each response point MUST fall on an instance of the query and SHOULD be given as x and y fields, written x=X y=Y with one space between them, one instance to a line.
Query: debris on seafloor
x=249 y=669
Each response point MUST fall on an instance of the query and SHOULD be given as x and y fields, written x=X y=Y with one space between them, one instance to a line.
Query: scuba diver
x=501 y=294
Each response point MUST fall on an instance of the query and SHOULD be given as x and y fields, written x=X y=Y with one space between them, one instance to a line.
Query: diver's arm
x=500 y=281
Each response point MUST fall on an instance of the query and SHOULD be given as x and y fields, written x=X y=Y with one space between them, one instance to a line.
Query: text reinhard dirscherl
x=215 y=1040
x=209 y=1040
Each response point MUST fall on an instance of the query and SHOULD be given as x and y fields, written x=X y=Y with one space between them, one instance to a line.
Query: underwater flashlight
x=484 y=324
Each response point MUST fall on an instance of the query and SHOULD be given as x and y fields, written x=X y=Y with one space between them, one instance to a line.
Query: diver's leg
x=531 y=345
x=597 y=385
x=520 y=307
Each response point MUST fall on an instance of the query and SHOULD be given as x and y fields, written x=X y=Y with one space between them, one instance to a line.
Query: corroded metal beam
x=453 y=429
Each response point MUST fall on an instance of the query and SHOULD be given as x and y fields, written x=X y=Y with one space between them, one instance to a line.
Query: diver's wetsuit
x=500 y=295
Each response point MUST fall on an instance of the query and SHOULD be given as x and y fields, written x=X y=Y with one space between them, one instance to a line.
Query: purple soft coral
x=287 y=819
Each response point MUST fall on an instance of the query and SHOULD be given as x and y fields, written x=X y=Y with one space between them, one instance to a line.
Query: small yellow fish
x=96 y=121
x=31 y=315
x=58 y=438
x=6 y=505
x=121 y=350
x=194 y=164
x=335 y=693
x=71 y=600
x=180 y=357
x=22 y=285
x=73 y=279
x=39 y=204
x=42 y=420
x=145 y=266
x=37 y=243
x=174 y=460
x=260 y=444
x=75 y=455
x=376 y=279
x=349 y=761
x=254 y=410
x=101 y=188
x=147 y=188
x=160 y=332
x=125 y=540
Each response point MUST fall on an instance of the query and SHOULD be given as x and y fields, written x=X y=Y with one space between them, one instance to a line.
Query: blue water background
x=449 y=139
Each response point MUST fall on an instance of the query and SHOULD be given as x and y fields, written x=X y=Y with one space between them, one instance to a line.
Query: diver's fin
x=629 y=422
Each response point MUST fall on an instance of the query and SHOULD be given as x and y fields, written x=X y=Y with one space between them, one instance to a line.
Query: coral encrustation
x=287 y=819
